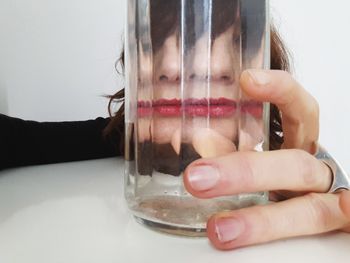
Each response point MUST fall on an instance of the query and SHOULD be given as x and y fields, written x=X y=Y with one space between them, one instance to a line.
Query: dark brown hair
x=279 y=61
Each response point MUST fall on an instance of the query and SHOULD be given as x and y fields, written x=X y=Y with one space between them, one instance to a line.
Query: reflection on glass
x=183 y=102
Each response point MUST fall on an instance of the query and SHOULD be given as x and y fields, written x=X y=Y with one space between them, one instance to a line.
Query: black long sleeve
x=31 y=143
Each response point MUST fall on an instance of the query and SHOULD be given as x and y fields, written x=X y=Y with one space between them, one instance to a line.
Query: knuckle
x=307 y=168
x=265 y=228
x=316 y=107
x=247 y=173
x=289 y=89
x=261 y=225
x=312 y=109
x=320 y=214
x=285 y=74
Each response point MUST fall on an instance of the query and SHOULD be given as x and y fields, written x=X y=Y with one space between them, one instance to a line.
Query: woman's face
x=181 y=93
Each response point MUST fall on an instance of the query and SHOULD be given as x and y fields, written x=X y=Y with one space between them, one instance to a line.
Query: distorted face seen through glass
x=189 y=68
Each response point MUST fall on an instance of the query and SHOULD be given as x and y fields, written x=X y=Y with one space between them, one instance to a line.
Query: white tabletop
x=75 y=212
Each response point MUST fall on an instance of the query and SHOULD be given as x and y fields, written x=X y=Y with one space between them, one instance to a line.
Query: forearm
x=30 y=143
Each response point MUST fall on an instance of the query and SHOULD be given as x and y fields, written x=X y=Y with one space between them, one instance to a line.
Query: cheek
x=164 y=128
x=227 y=127
x=159 y=130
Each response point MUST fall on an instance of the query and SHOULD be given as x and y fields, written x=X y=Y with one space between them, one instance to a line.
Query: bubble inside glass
x=183 y=102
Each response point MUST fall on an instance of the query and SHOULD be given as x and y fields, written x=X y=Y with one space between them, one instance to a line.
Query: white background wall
x=57 y=58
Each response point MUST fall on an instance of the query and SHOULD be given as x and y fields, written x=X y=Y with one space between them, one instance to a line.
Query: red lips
x=220 y=107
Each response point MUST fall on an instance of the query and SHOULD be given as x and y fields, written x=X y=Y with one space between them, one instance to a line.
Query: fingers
x=244 y=172
x=344 y=203
x=307 y=215
x=299 y=109
x=176 y=141
x=209 y=143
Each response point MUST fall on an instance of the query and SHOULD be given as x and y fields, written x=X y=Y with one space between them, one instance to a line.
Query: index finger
x=246 y=172
x=300 y=111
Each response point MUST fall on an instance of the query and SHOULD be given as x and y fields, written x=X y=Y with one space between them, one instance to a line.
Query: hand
x=292 y=174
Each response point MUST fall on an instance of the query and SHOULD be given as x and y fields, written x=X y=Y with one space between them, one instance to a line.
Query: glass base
x=185 y=215
x=172 y=230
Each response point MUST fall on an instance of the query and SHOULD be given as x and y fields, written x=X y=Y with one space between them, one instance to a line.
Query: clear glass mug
x=183 y=59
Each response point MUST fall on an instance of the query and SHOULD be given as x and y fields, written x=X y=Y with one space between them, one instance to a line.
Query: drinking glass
x=183 y=102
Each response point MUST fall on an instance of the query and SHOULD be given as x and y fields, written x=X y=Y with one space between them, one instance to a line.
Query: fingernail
x=259 y=77
x=228 y=229
x=202 y=178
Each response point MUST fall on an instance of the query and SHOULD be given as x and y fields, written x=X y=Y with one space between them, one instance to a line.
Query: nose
x=222 y=60
x=168 y=61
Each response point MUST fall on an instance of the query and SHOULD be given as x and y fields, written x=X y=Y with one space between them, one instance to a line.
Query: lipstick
x=219 y=107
